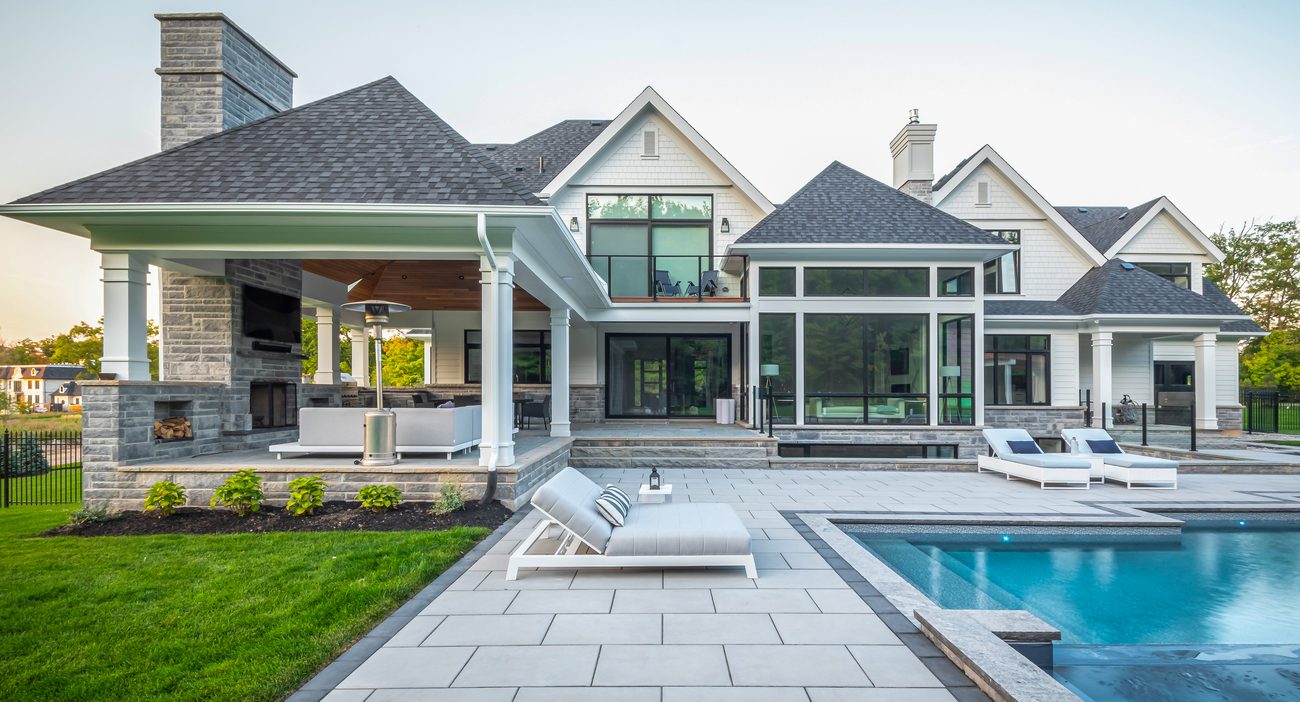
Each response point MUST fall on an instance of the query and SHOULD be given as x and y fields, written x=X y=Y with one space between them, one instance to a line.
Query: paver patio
x=799 y=632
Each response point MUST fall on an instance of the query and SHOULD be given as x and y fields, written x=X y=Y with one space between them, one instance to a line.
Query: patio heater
x=380 y=424
x=768 y=371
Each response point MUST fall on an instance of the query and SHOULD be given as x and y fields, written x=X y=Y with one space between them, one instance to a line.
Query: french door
x=666 y=375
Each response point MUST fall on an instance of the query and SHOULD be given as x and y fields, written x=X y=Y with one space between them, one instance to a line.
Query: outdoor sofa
x=340 y=430
x=1017 y=455
x=658 y=535
x=1144 y=472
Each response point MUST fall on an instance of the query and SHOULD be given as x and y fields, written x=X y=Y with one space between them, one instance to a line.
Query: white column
x=1101 y=348
x=428 y=359
x=1207 y=406
x=360 y=357
x=560 y=372
x=126 y=309
x=498 y=361
x=327 y=347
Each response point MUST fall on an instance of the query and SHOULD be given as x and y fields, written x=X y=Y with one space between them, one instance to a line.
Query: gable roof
x=650 y=100
x=555 y=146
x=376 y=143
x=842 y=206
x=1103 y=226
x=1119 y=287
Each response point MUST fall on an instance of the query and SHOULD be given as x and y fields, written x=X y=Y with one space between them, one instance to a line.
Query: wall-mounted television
x=272 y=316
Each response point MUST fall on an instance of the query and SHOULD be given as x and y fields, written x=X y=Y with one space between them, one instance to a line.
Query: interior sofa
x=340 y=430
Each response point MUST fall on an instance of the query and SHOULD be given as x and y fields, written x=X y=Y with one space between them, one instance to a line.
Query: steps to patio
x=674 y=448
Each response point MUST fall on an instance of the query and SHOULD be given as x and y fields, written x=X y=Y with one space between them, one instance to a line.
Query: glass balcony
x=638 y=278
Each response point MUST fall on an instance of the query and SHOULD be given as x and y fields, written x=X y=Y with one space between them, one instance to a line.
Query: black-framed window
x=956 y=369
x=776 y=345
x=1002 y=274
x=956 y=282
x=866 y=369
x=776 y=282
x=532 y=356
x=645 y=245
x=1017 y=369
x=866 y=282
x=1179 y=274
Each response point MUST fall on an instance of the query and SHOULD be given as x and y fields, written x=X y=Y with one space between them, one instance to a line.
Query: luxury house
x=621 y=266
x=43 y=386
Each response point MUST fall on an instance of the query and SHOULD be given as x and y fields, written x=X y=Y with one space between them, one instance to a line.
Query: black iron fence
x=1267 y=411
x=40 y=468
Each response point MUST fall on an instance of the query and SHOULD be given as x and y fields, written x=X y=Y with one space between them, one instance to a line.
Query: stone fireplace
x=273 y=405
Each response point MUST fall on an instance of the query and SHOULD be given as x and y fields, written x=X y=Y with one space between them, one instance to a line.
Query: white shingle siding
x=1131 y=370
x=1226 y=390
x=1163 y=235
x=1065 y=369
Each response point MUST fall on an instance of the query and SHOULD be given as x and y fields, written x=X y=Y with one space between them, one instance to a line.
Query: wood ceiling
x=424 y=285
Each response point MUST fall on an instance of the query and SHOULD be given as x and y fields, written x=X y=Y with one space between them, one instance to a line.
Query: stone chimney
x=215 y=76
x=913 y=151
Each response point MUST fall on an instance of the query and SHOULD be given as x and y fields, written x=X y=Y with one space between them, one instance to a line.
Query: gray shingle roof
x=842 y=206
x=1027 y=307
x=943 y=180
x=1103 y=226
x=556 y=146
x=1120 y=288
x=376 y=143
x=1240 y=326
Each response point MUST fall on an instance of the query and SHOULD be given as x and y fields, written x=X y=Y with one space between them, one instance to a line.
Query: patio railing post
x=1144 y=424
x=1193 y=423
x=1245 y=412
x=1277 y=411
x=1103 y=415
x=1087 y=408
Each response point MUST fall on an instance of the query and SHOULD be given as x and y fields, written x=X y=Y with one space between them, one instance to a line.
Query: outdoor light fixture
x=769 y=371
x=726 y=226
x=380 y=424
x=655 y=482
x=573 y=224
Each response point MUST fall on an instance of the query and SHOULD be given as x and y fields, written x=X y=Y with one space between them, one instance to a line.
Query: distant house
x=40 y=385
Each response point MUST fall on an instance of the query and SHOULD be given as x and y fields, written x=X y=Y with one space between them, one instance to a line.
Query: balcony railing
x=634 y=277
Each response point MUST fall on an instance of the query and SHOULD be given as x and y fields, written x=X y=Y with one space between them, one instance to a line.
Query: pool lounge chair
x=1052 y=471
x=660 y=535
x=1136 y=472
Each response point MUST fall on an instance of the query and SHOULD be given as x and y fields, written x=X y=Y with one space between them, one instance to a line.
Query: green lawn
x=229 y=617
x=1284 y=442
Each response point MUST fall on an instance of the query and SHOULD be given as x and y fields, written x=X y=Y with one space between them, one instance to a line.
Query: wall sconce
x=573 y=224
x=726 y=226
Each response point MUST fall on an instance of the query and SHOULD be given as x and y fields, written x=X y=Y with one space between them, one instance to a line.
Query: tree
x=1273 y=361
x=83 y=345
x=403 y=362
x=22 y=353
x=1261 y=271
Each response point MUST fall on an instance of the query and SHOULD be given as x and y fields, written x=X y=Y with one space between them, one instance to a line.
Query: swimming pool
x=1219 y=582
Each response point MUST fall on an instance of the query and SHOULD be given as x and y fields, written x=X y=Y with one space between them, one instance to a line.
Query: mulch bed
x=334 y=516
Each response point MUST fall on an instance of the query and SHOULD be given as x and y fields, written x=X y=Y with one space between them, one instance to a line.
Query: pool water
x=1216 y=583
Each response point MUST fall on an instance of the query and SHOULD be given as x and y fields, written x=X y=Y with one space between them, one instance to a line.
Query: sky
x=1098 y=103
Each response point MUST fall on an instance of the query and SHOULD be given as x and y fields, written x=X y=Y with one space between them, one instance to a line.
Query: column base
x=326 y=378
x=125 y=369
x=560 y=429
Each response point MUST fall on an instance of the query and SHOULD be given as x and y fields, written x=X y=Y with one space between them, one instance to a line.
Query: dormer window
x=1179 y=274
x=983 y=196
x=650 y=143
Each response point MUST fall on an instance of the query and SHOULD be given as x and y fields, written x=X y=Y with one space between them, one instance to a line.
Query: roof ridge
x=207 y=137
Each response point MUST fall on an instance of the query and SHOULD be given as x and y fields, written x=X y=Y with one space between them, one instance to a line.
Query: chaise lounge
x=663 y=535
x=1136 y=472
x=1017 y=455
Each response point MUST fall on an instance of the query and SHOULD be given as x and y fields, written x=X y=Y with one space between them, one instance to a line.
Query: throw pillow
x=1104 y=446
x=447 y=405
x=1030 y=446
x=612 y=507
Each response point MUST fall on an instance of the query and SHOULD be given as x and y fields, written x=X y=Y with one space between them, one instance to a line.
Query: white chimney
x=913 y=151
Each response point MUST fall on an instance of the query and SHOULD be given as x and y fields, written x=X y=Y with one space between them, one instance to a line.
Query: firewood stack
x=172 y=429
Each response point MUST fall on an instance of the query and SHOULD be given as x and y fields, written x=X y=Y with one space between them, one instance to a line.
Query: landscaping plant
x=379 y=498
x=164 y=497
x=88 y=515
x=305 y=495
x=241 y=493
x=451 y=497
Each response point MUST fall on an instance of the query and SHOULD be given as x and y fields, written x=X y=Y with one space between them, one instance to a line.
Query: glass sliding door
x=666 y=375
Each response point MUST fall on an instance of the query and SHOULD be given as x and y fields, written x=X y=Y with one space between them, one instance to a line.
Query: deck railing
x=673 y=278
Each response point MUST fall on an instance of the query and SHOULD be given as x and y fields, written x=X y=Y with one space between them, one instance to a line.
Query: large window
x=956 y=282
x=650 y=245
x=865 y=369
x=776 y=282
x=1002 y=274
x=956 y=369
x=532 y=356
x=866 y=282
x=1017 y=369
x=1179 y=274
x=776 y=346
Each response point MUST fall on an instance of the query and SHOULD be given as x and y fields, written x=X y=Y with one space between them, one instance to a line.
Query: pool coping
x=965 y=641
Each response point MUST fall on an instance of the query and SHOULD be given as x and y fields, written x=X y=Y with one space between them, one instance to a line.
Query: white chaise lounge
x=1052 y=471
x=340 y=430
x=661 y=535
x=1136 y=472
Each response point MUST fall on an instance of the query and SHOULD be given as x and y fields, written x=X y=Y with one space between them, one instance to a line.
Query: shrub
x=305 y=495
x=89 y=515
x=451 y=497
x=379 y=498
x=27 y=457
x=242 y=493
x=164 y=497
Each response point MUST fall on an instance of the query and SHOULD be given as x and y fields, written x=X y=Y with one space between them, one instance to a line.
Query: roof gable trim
x=1165 y=205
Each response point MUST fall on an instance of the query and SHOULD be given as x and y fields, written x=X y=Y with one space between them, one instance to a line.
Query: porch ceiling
x=424 y=285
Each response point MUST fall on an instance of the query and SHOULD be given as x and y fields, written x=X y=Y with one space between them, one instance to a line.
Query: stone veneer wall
x=1037 y=420
x=1229 y=418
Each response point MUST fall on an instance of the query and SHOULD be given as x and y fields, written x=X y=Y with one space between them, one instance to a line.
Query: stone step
x=721 y=452
x=578 y=461
x=672 y=452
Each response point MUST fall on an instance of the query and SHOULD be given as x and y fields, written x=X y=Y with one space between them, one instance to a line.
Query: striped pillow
x=613 y=504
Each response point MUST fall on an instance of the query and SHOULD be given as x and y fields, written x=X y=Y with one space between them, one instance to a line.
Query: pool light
x=1006 y=538
x=1241 y=523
